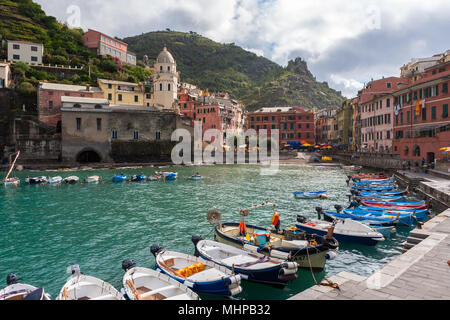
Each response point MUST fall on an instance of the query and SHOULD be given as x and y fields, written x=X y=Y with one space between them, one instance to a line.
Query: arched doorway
x=430 y=157
x=88 y=156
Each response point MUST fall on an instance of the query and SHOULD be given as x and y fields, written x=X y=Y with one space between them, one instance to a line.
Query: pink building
x=376 y=114
x=104 y=45
x=49 y=99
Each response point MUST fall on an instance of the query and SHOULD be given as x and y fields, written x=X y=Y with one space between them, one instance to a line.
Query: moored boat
x=21 y=291
x=138 y=178
x=254 y=267
x=147 y=284
x=92 y=179
x=351 y=168
x=311 y=195
x=196 y=177
x=11 y=181
x=200 y=275
x=119 y=178
x=413 y=205
x=55 y=180
x=71 y=180
x=36 y=180
x=345 y=230
x=82 y=287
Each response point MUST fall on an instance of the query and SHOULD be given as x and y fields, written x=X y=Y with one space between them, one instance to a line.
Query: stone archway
x=88 y=156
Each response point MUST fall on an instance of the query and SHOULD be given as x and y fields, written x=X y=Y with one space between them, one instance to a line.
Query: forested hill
x=254 y=80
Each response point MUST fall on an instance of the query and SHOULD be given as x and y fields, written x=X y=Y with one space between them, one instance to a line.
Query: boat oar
x=66 y=294
x=133 y=289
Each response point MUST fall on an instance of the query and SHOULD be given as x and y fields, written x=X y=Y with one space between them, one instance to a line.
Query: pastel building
x=104 y=45
x=50 y=96
x=376 y=112
x=25 y=51
x=421 y=119
x=293 y=123
x=122 y=93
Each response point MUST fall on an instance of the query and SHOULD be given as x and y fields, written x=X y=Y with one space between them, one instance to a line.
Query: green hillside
x=256 y=81
x=25 y=20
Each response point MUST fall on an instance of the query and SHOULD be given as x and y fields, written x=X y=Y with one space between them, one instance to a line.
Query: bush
x=59 y=60
x=26 y=88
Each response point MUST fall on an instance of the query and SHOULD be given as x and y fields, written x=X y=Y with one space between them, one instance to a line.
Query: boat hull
x=313 y=257
x=368 y=241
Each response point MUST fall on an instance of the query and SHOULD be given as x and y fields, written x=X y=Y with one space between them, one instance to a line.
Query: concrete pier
x=421 y=273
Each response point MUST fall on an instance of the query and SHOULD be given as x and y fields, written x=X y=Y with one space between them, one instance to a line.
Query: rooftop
x=67 y=87
x=117 y=82
x=84 y=100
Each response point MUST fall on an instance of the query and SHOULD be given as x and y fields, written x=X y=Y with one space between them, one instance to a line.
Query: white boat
x=201 y=275
x=71 y=179
x=55 y=180
x=345 y=230
x=153 y=178
x=147 y=284
x=13 y=180
x=311 y=195
x=251 y=266
x=92 y=179
x=20 y=291
x=81 y=287
x=37 y=180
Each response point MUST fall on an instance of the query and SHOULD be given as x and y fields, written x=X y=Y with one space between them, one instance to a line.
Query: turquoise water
x=44 y=229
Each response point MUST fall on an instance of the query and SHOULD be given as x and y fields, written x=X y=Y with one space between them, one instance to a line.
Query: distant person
x=404 y=165
x=423 y=162
x=409 y=165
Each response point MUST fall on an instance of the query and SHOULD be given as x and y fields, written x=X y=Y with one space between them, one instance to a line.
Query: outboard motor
x=301 y=219
x=319 y=212
x=196 y=238
x=338 y=208
x=128 y=264
x=353 y=204
x=75 y=269
x=349 y=195
x=348 y=181
x=12 y=278
x=155 y=249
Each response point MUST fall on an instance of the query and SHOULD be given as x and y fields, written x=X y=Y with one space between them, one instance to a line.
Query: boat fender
x=244 y=276
x=287 y=277
x=331 y=255
x=155 y=249
x=289 y=265
x=124 y=293
x=235 y=291
x=284 y=271
x=332 y=243
x=279 y=254
x=251 y=248
x=128 y=264
x=233 y=279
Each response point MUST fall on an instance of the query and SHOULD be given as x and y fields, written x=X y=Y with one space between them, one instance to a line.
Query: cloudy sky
x=346 y=43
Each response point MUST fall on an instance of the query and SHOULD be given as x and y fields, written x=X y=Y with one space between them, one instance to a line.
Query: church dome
x=165 y=57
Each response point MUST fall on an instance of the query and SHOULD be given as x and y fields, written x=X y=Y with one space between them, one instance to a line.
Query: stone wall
x=373 y=160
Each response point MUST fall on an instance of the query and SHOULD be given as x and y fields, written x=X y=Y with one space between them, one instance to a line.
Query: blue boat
x=420 y=215
x=119 y=178
x=199 y=275
x=371 y=218
x=138 y=178
x=252 y=266
x=381 y=197
x=384 y=193
x=404 y=217
x=374 y=182
x=310 y=195
x=374 y=189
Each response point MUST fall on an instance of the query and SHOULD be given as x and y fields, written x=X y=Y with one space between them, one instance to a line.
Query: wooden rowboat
x=147 y=284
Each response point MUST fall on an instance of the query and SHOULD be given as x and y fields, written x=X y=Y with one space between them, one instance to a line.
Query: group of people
x=424 y=165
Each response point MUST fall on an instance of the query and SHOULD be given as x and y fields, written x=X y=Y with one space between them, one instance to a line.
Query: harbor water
x=44 y=229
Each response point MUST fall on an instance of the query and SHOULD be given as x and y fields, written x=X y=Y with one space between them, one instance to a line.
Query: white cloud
x=283 y=29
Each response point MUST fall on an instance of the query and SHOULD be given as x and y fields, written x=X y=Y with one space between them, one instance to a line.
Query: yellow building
x=122 y=93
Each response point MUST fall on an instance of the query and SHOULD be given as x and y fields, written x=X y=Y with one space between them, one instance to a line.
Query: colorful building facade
x=50 y=95
x=421 y=119
x=104 y=45
x=293 y=123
